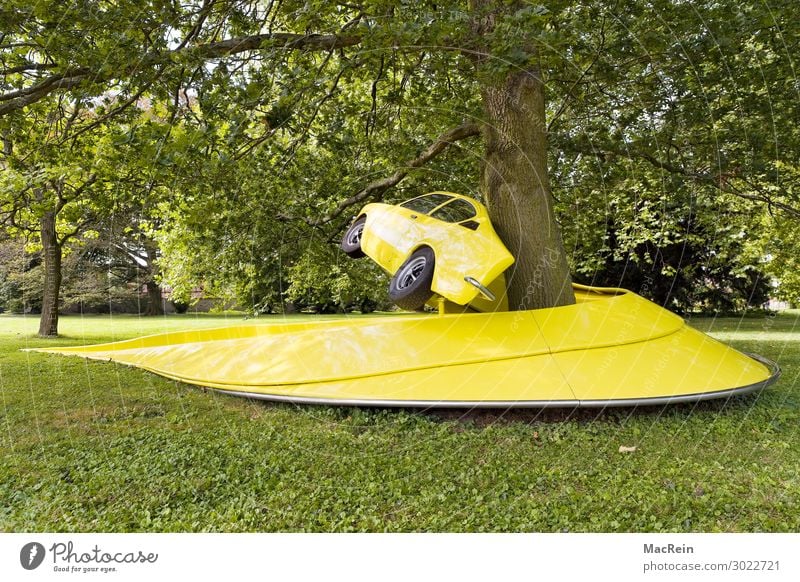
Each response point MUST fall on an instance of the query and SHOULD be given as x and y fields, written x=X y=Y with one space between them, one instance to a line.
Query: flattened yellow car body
x=392 y=233
x=611 y=348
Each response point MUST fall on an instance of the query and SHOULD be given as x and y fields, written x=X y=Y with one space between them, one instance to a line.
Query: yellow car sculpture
x=436 y=244
x=611 y=348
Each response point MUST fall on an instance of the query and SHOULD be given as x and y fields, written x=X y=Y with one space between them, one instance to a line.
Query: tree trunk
x=155 y=303
x=516 y=185
x=48 y=323
x=518 y=193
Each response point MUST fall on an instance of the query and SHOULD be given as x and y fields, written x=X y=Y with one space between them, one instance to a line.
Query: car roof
x=479 y=204
x=479 y=209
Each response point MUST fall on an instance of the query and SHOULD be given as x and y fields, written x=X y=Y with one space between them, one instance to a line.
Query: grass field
x=92 y=446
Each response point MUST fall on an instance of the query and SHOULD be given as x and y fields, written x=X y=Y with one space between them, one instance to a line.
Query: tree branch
x=720 y=181
x=52 y=81
x=201 y=18
x=579 y=80
x=378 y=187
x=27 y=67
x=20 y=98
x=39 y=91
x=232 y=46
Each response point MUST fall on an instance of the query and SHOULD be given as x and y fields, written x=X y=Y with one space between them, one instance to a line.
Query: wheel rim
x=354 y=238
x=411 y=272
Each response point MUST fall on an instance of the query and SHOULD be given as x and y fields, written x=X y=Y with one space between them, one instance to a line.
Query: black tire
x=410 y=286
x=351 y=241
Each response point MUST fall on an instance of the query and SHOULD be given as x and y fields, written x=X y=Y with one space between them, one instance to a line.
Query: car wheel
x=410 y=287
x=351 y=241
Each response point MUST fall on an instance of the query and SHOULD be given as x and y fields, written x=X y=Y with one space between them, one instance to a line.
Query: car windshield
x=425 y=204
x=457 y=210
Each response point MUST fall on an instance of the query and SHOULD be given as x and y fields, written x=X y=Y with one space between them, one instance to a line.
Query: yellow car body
x=458 y=230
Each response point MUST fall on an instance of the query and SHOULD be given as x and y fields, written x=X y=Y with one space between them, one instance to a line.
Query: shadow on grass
x=485 y=417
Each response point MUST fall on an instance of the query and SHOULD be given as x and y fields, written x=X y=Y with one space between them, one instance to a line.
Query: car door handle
x=488 y=295
x=413 y=216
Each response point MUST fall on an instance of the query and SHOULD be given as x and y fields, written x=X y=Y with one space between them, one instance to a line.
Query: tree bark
x=48 y=322
x=155 y=303
x=516 y=185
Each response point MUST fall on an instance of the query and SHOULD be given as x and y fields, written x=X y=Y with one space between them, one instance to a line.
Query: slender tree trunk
x=155 y=302
x=516 y=185
x=48 y=323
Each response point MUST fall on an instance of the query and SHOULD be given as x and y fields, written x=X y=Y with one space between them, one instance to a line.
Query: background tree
x=51 y=192
x=675 y=137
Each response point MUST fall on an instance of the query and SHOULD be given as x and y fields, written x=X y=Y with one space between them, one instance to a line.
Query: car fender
x=454 y=263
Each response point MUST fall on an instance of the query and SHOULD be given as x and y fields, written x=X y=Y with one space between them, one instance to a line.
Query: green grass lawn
x=93 y=446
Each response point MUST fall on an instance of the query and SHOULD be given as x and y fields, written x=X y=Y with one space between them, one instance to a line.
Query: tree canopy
x=238 y=138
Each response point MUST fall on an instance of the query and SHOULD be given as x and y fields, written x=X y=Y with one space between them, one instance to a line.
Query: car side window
x=424 y=204
x=458 y=210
